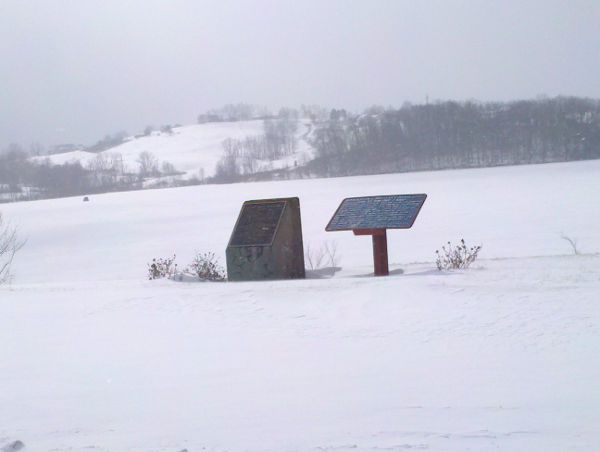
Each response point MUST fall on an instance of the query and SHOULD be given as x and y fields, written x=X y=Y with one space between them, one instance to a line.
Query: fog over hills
x=235 y=144
x=72 y=72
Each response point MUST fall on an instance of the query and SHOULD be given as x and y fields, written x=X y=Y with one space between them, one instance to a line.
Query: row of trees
x=21 y=178
x=422 y=137
x=457 y=135
x=245 y=112
x=234 y=112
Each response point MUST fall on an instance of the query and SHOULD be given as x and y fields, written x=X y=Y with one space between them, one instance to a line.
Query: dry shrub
x=456 y=257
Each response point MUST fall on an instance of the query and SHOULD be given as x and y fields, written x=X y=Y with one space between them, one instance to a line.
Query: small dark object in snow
x=85 y=199
x=13 y=447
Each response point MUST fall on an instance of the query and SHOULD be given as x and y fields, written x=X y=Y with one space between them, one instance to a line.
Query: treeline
x=434 y=136
x=457 y=135
x=245 y=112
x=234 y=112
x=24 y=179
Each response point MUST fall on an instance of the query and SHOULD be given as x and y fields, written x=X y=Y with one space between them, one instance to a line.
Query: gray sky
x=73 y=71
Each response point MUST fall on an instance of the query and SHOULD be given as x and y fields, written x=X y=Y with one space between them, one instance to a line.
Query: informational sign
x=373 y=215
x=377 y=212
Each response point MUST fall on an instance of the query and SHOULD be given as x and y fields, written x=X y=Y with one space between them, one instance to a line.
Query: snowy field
x=503 y=356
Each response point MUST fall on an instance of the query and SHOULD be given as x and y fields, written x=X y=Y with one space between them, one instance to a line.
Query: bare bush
x=206 y=267
x=162 y=268
x=456 y=257
x=572 y=242
x=9 y=245
x=324 y=255
x=331 y=253
x=313 y=257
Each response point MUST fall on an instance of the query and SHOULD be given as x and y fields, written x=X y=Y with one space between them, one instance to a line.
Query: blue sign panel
x=377 y=212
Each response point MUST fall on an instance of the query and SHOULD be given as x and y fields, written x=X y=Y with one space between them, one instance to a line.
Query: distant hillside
x=458 y=135
x=442 y=135
x=193 y=150
x=211 y=152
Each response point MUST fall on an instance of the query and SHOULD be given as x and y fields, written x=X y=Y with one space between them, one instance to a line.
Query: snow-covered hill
x=194 y=149
x=503 y=356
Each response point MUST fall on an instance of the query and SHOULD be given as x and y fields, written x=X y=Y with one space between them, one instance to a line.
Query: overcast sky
x=73 y=71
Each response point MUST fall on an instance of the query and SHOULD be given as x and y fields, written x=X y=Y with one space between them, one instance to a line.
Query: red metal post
x=380 y=255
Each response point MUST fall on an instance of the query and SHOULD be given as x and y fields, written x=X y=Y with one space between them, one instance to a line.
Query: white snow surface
x=82 y=157
x=502 y=356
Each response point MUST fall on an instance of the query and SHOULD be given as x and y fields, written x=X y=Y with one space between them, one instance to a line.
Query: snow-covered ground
x=82 y=157
x=193 y=149
x=503 y=356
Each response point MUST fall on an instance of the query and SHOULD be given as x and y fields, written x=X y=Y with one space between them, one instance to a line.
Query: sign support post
x=380 y=254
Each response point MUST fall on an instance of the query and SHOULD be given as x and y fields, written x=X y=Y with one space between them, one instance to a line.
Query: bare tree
x=99 y=164
x=249 y=163
x=228 y=169
x=9 y=245
x=148 y=164
x=168 y=169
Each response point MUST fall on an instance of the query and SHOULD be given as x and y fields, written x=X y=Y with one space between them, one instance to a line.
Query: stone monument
x=266 y=242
